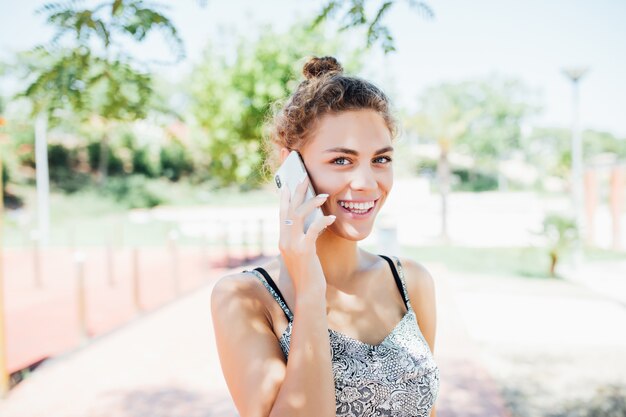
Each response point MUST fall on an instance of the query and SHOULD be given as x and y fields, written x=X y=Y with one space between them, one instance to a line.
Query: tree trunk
x=443 y=171
x=103 y=162
x=553 y=261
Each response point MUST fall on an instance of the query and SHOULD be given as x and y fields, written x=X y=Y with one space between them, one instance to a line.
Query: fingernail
x=332 y=216
x=323 y=195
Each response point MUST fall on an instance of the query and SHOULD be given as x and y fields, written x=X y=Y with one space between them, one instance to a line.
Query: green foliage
x=479 y=117
x=596 y=143
x=561 y=233
x=500 y=107
x=175 y=161
x=92 y=74
x=63 y=165
x=608 y=401
x=355 y=16
x=108 y=23
x=5 y=176
x=142 y=163
x=58 y=79
x=115 y=165
x=475 y=181
x=10 y=200
x=135 y=191
x=230 y=100
x=550 y=148
x=467 y=179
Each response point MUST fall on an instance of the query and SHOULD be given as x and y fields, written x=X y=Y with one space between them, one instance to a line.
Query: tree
x=549 y=148
x=477 y=116
x=355 y=16
x=231 y=100
x=442 y=118
x=561 y=233
x=501 y=106
x=94 y=75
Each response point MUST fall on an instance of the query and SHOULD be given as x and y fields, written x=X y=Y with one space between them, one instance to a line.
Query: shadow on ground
x=162 y=402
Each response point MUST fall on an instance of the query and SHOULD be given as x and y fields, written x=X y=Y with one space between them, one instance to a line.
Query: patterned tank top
x=397 y=377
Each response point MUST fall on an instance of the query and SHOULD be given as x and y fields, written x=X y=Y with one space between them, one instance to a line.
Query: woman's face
x=349 y=158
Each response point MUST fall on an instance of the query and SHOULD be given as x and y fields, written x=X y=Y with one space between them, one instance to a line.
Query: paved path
x=165 y=364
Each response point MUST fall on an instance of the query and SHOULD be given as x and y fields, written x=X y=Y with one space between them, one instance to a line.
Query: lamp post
x=575 y=74
x=4 y=373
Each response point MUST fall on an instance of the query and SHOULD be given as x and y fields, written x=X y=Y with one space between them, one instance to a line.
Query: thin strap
x=268 y=282
x=398 y=275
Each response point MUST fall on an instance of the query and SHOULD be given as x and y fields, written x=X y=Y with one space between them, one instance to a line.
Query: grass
x=522 y=261
x=530 y=262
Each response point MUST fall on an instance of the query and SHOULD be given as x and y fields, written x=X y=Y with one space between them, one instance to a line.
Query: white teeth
x=357 y=206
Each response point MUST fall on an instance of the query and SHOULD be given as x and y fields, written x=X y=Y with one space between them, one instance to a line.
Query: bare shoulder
x=418 y=279
x=235 y=283
x=421 y=288
x=237 y=300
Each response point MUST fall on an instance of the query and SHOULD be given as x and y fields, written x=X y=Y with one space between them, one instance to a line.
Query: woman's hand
x=297 y=248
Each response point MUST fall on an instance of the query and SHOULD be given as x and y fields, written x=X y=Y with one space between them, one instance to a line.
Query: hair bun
x=316 y=67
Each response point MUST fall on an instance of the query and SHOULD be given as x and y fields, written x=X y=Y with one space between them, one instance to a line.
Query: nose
x=364 y=178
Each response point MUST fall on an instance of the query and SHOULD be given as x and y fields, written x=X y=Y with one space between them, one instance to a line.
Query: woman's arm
x=421 y=288
x=259 y=381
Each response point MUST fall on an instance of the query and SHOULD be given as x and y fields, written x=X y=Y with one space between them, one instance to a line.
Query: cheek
x=324 y=181
x=385 y=182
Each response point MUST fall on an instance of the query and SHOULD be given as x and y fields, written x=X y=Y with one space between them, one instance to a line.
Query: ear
x=284 y=153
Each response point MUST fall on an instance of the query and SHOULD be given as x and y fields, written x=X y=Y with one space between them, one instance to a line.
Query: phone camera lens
x=277 y=179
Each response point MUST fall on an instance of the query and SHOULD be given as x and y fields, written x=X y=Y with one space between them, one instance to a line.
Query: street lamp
x=575 y=74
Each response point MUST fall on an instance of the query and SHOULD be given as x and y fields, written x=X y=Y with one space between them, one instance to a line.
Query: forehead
x=362 y=130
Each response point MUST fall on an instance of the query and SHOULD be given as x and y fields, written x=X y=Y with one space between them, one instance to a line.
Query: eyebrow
x=353 y=152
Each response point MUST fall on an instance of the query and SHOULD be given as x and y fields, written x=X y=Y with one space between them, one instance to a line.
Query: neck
x=340 y=259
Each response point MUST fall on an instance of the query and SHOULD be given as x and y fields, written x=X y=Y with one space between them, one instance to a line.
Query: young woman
x=327 y=328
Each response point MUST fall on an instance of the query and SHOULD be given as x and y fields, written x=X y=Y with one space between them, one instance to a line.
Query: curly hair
x=324 y=90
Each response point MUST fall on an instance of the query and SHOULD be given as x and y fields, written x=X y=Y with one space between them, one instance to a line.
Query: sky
x=531 y=40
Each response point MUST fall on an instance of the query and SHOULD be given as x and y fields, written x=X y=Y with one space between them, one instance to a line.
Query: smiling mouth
x=358 y=209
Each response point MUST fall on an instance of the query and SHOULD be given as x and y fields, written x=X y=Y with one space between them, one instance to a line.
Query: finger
x=300 y=193
x=308 y=206
x=317 y=227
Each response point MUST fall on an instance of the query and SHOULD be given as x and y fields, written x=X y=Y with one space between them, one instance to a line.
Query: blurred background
x=131 y=180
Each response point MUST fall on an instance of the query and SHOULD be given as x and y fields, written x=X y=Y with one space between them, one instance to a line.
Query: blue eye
x=385 y=158
x=388 y=159
x=338 y=159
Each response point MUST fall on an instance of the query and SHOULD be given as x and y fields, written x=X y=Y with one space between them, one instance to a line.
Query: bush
x=471 y=180
x=63 y=163
x=134 y=191
x=175 y=161
x=115 y=165
x=6 y=175
x=69 y=181
x=11 y=201
x=142 y=164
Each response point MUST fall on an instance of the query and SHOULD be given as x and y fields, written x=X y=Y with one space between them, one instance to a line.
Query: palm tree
x=443 y=118
x=94 y=75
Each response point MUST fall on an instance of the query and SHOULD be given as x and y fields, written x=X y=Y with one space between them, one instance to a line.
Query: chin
x=350 y=233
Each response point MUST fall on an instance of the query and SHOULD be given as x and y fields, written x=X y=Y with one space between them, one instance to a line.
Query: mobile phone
x=292 y=172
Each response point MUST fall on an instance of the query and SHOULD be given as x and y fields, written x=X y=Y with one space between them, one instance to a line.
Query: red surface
x=43 y=322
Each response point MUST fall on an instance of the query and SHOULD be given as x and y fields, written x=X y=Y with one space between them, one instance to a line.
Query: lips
x=354 y=215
